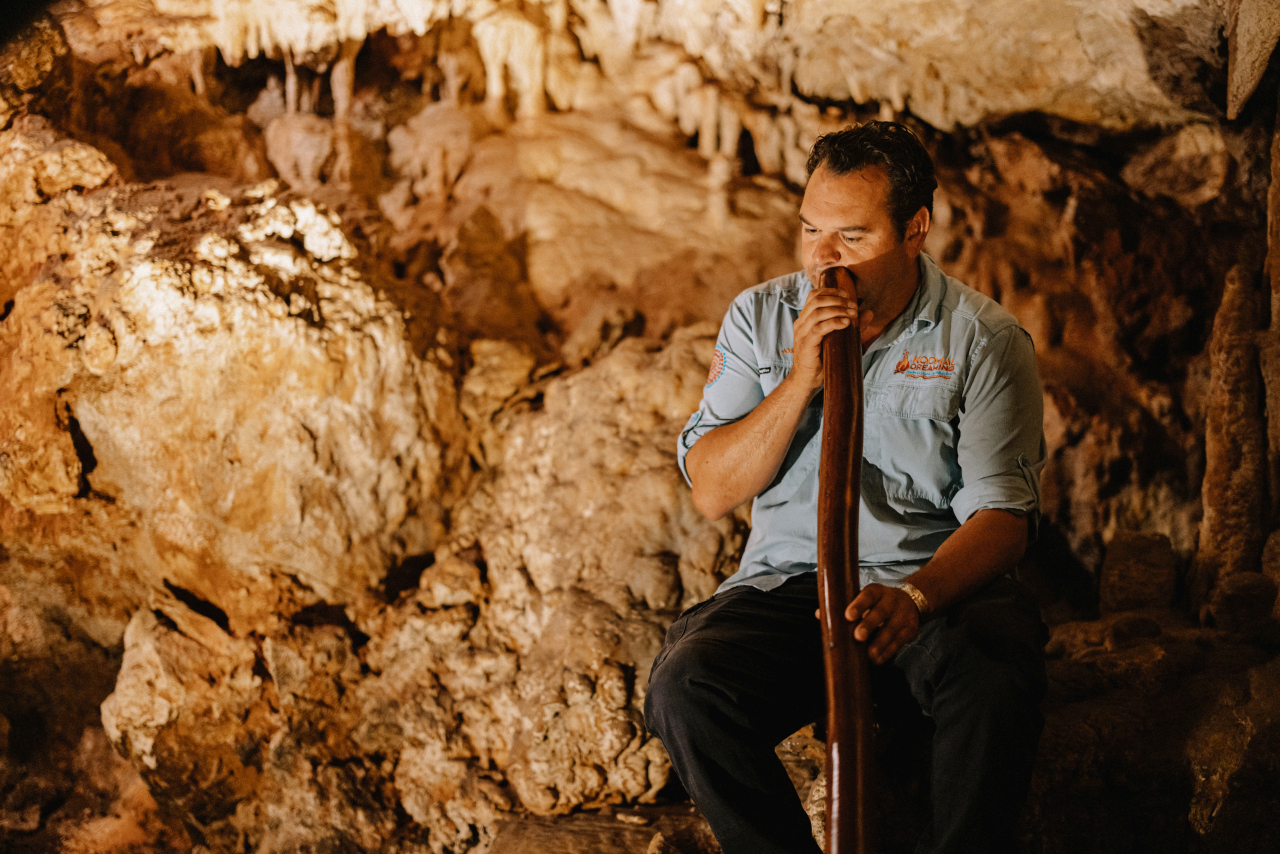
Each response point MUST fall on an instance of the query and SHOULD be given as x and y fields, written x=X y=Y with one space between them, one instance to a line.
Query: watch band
x=922 y=604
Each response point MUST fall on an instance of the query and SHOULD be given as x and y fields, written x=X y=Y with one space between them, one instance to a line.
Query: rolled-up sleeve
x=733 y=383
x=1001 y=448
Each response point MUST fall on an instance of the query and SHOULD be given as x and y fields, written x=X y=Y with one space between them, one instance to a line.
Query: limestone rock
x=591 y=546
x=43 y=178
x=383 y=487
x=227 y=745
x=1255 y=29
x=1139 y=571
x=594 y=240
x=169 y=305
x=172 y=129
x=1241 y=600
x=123 y=816
x=1115 y=66
x=486 y=289
x=680 y=829
x=551 y=227
x=300 y=147
x=1271 y=563
x=1040 y=233
x=58 y=774
x=512 y=674
x=1143 y=764
x=34 y=69
x=54 y=676
x=167 y=682
x=1189 y=166
x=1232 y=533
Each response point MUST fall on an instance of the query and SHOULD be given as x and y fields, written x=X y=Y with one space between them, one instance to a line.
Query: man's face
x=845 y=222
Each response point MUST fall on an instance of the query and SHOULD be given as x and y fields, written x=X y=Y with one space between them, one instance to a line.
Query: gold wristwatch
x=922 y=604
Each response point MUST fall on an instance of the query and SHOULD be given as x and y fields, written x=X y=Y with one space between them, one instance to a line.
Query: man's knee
x=677 y=686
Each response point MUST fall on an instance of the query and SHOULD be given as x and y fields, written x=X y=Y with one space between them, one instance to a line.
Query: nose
x=827 y=250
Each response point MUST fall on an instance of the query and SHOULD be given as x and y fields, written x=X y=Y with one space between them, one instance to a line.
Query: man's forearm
x=985 y=547
x=735 y=463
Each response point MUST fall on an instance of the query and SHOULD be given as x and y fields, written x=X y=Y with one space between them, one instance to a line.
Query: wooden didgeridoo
x=850 y=749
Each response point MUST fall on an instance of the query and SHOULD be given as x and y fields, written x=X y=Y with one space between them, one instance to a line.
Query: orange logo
x=925 y=367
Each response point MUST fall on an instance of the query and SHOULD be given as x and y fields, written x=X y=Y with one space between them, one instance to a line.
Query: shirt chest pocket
x=910 y=438
x=773 y=372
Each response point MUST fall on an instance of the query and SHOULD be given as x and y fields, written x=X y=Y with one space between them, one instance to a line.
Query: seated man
x=950 y=489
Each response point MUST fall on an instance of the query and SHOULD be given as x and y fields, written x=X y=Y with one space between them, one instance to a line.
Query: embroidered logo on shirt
x=717 y=367
x=925 y=367
x=787 y=350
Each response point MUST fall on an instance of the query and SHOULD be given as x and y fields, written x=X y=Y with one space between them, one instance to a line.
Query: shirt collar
x=796 y=290
x=921 y=313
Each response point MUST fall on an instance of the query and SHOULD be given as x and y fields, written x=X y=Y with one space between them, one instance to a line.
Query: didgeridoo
x=850 y=750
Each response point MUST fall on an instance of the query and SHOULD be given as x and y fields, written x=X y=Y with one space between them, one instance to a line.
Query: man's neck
x=889 y=306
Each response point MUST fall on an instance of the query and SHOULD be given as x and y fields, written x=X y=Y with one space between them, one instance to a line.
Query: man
x=950 y=490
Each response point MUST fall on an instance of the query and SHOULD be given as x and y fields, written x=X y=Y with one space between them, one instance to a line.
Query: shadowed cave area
x=344 y=346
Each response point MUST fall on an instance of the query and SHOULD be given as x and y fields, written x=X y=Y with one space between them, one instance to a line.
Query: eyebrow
x=847 y=228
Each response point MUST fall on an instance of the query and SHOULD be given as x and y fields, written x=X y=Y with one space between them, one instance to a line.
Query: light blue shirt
x=953 y=425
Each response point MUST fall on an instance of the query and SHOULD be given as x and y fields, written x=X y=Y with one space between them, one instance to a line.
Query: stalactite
x=1254 y=31
x=290 y=83
x=512 y=48
x=709 y=122
x=342 y=83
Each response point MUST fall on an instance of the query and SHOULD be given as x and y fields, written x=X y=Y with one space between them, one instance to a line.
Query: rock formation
x=343 y=346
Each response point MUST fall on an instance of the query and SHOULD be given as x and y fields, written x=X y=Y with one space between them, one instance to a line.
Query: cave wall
x=344 y=345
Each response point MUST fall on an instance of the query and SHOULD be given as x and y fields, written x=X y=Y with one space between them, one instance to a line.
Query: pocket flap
x=935 y=402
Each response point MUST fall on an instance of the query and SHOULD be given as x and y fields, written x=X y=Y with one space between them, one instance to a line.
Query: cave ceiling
x=1116 y=65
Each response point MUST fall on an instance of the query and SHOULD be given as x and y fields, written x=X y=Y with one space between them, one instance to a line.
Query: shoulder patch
x=717 y=367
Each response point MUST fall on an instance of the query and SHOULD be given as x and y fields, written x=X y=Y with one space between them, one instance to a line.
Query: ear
x=916 y=231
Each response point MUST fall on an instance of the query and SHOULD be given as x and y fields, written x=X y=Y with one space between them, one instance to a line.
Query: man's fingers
x=887 y=647
x=830 y=324
x=814 y=324
x=885 y=617
x=864 y=601
x=874 y=619
x=824 y=293
x=822 y=316
x=883 y=650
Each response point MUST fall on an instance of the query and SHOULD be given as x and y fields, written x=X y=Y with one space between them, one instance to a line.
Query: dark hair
x=888 y=144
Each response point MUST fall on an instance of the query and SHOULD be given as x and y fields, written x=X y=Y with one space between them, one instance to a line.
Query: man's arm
x=1000 y=445
x=984 y=548
x=736 y=462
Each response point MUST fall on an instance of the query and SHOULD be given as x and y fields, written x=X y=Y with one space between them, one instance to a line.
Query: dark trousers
x=741 y=671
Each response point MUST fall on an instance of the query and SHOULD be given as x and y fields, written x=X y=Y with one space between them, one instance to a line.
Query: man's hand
x=885 y=613
x=825 y=310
